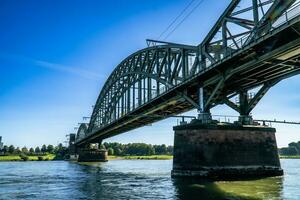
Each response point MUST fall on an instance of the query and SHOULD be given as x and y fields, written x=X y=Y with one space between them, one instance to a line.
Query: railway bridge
x=254 y=45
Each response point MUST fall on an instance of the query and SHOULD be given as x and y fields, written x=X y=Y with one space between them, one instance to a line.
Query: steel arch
x=82 y=131
x=246 y=48
x=141 y=77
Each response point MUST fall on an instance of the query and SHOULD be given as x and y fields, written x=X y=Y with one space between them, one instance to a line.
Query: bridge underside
x=253 y=46
x=262 y=64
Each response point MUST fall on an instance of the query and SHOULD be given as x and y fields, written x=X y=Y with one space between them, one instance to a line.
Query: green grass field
x=153 y=157
x=30 y=158
x=290 y=157
x=10 y=158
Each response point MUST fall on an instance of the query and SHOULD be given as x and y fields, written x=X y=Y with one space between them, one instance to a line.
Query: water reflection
x=151 y=179
x=267 y=188
x=133 y=179
x=127 y=180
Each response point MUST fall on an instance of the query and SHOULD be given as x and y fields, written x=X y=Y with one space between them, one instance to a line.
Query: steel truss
x=236 y=56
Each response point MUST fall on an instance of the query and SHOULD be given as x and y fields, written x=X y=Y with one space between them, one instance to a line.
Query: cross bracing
x=247 y=48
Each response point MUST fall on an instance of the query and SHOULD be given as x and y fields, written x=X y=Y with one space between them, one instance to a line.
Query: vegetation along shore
x=116 y=151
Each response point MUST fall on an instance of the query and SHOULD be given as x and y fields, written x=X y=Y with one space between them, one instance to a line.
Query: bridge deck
x=272 y=57
x=266 y=60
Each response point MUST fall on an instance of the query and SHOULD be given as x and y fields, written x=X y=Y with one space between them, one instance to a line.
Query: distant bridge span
x=253 y=45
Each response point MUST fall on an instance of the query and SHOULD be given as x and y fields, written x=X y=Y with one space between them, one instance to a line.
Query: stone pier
x=225 y=151
x=92 y=153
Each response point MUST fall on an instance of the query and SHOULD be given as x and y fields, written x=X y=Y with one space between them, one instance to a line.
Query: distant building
x=1 y=144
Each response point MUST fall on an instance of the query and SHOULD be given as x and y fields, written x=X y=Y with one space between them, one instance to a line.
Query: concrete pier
x=225 y=151
x=92 y=155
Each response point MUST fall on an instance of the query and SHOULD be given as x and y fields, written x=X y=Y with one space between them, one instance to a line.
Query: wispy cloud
x=78 y=71
x=68 y=69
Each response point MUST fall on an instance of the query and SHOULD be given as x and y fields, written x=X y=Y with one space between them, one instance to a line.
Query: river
x=133 y=179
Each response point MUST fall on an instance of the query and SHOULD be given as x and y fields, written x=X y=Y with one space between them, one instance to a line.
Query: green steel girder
x=155 y=72
x=82 y=131
x=247 y=104
x=166 y=66
x=255 y=19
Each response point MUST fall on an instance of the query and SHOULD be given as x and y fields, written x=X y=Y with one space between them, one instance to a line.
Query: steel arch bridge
x=247 y=48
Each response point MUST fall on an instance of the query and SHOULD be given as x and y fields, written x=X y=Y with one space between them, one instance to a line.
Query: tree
x=44 y=149
x=139 y=149
x=160 y=149
x=151 y=150
x=31 y=150
x=106 y=145
x=170 y=150
x=295 y=147
x=50 y=148
x=11 y=149
x=58 y=148
x=17 y=150
x=60 y=151
x=5 y=149
x=118 y=152
x=24 y=150
x=101 y=146
x=288 y=151
x=110 y=151
x=37 y=150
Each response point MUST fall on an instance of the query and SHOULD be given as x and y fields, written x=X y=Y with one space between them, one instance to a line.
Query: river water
x=133 y=179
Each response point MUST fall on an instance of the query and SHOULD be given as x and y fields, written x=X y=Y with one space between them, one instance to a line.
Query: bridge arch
x=167 y=79
x=141 y=77
x=82 y=131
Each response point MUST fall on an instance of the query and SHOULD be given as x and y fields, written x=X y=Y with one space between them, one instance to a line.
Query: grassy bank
x=50 y=157
x=289 y=157
x=152 y=157
x=30 y=158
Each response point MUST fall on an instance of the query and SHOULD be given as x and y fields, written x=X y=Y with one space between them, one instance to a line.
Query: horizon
x=54 y=66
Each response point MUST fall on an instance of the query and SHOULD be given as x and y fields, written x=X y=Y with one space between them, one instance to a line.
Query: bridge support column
x=92 y=153
x=245 y=117
x=222 y=152
x=204 y=115
x=72 y=147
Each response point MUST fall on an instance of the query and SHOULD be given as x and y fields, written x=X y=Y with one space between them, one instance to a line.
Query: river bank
x=51 y=157
x=290 y=157
x=47 y=157
x=152 y=157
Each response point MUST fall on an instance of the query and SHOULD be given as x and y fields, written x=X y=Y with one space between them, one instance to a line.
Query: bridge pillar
x=92 y=153
x=204 y=115
x=72 y=148
x=222 y=151
x=244 y=117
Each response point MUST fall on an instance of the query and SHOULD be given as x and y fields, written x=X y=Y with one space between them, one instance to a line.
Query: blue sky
x=56 y=55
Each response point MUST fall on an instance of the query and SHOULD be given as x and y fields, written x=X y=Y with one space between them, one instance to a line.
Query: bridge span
x=254 y=44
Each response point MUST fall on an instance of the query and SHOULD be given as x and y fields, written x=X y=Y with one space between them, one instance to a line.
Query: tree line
x=59 y=150
x=293 y=149
x=136 y=149
x=114 y=148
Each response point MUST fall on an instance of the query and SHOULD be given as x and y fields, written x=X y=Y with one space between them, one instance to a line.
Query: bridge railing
x=241 y=43
x=288 y=15
x=226 y=53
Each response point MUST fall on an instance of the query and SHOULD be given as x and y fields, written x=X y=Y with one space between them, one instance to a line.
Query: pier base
x=225 y=151
x=92 y=155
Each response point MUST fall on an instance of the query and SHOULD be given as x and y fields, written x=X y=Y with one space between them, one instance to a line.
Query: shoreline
x=51 y=157
x=18 y=158
x=152 y=157
x=289 y=157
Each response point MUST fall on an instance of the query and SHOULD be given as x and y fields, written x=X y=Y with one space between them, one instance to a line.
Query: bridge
x=254 y=44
